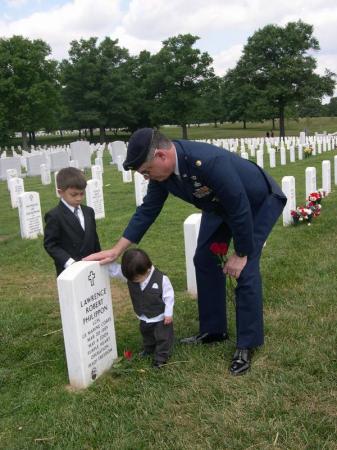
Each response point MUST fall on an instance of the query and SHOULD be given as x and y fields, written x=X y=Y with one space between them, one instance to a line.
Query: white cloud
x=159 y=18
x=133 y=44
x=60 y=25
x=16 y=3
x=227 y=59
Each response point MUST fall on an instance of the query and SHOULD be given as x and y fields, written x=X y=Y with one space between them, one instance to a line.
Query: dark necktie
x=76 y=212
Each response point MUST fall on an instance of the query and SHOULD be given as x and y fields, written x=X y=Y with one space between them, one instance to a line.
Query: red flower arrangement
x=220 y=250
x=311 y=209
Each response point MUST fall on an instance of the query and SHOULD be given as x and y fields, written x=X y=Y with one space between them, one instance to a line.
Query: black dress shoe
x=241 y=361
x=205 y=338
x=158 y=364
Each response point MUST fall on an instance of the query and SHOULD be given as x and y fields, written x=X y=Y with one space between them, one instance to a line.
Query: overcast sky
x=223 y=26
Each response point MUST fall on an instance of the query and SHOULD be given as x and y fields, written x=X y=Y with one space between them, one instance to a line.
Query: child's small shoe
x=158 y=364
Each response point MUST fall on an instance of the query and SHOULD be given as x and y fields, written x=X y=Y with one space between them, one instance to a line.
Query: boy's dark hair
x=135 y=262
x=70 y=177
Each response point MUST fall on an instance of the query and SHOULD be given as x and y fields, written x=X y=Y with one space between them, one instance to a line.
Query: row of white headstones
x=84 y=288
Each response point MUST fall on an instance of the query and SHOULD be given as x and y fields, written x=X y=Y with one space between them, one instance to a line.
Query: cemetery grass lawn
x=287 y=401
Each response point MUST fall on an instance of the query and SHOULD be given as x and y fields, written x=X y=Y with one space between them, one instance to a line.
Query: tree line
x=102 y=86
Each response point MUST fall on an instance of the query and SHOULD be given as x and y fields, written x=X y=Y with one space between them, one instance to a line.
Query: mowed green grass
x=287 y=401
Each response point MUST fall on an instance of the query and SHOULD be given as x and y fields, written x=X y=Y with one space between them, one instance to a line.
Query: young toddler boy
x=70 y=232
x=152 y=297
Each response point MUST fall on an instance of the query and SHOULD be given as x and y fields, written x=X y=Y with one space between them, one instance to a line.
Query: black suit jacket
x=64 y=237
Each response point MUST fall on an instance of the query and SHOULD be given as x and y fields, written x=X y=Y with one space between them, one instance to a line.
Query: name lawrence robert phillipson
x=92 y=303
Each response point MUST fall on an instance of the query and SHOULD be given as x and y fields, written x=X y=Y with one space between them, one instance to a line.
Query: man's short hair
x=159 y=140
x=70 y=177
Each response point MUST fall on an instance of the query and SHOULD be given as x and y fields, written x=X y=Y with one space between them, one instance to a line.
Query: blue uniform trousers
x=211 y=281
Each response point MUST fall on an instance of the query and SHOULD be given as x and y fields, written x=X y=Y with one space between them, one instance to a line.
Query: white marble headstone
x=16 y=188
x=283 y=156
x=95 y=199
x=58 y=160
x=87 y=321
x=319 y=148
x=55 y=181
x=9 y=163
x=34 y=163
x=292 y=154
x=288 y=187
x=300 y=152
x=326 y=176
x=259 y=158
x=310 y=181
x=30 y=215
x=96 y=173
x=45 y=174
x=120 y=160
x=80 y=151
x=99 y=162
x=11 y=173
x=272 y=158
x=191 y=232
x=117 y=148
x=73 y=163
x=127 y=176
x=140 y=187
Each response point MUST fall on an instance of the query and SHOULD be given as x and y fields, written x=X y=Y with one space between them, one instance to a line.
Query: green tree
x=179 y=75
x=97 y=85
x=29 y=89
x=332 y=107
x=141 y=68
x=277 y=65
x=210 y=108
x=311 y=107
x=238 y=97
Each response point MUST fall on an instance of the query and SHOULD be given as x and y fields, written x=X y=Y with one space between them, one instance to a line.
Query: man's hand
x=108 y=256
x=235 y=265
x=168 y=320
x=104 y=257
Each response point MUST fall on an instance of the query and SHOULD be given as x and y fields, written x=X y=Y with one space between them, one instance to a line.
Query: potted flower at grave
x=307 y=151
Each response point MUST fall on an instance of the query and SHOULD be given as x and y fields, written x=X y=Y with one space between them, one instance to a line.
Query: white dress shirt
x=70 y=261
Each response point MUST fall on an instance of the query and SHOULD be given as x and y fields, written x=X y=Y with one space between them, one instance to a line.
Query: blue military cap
x=138 y=148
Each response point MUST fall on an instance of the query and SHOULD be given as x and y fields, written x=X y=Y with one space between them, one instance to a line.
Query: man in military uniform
x=238 y=201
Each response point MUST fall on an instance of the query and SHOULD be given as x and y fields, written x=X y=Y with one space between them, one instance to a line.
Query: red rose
x=127 y=354
x=223 y=248
x=215 y=248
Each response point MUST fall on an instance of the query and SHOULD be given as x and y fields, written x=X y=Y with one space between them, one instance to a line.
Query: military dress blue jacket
x=214 y=180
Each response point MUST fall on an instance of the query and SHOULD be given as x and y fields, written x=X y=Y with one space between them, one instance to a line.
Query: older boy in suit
x=70 y=231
